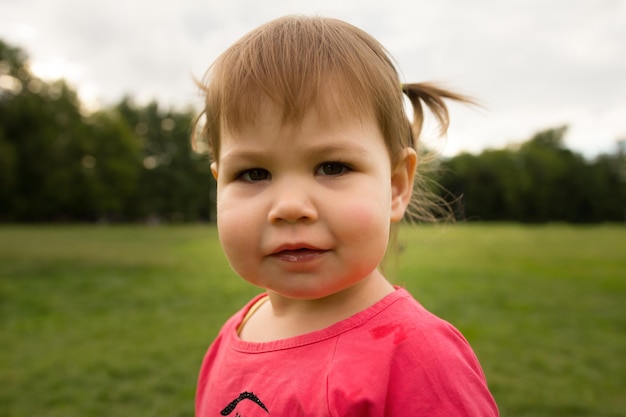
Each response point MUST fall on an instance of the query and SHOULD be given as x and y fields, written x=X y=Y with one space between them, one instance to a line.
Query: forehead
x=317 y=132
x=330 y=105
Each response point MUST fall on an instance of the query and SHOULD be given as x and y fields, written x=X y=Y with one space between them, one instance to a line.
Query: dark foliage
x=135 y=163
x=539 y=181
x=125 y=163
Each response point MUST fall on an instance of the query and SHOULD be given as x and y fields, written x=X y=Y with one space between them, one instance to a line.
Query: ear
x=402 y=179
x=214 y=170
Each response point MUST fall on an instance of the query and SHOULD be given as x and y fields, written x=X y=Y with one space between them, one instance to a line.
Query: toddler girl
x=314 y=159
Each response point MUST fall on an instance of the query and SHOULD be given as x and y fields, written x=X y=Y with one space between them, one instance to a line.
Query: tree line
x=123 y=163
x=538 y=181
x=131 y=163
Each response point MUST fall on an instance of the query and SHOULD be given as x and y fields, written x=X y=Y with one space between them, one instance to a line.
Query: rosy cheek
x=366 y=207
x=233 y=227
x=364 y=221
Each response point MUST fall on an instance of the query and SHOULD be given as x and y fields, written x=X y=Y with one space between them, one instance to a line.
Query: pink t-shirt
x=392 y=359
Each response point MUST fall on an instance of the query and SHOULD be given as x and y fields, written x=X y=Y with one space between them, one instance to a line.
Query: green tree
x=37 y=122
x=175 y=183
x=608 y=187
x=540 y=181
x=559 y=190
x=109 y=165
x=491 y=185
x=57 y=164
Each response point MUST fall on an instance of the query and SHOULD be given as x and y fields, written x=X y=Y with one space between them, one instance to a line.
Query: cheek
x=367 y=222
x=364 y=235
x=235 y=227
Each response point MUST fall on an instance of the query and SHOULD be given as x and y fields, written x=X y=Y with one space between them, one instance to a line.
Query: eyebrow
x=246 y=155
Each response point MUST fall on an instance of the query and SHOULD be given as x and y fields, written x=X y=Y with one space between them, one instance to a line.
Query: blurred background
x=97 y=100
x=101 y=316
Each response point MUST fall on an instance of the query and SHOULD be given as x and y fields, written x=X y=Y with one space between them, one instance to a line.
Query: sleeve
x=436 y=374
x=203 y=377
x=407 y=362
x=211 y=365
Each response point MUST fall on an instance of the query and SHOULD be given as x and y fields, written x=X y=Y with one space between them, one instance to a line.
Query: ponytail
x=430 y=201
x=433 y=97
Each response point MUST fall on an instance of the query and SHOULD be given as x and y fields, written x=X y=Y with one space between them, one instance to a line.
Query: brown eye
x=254 y=175
x=332 y=168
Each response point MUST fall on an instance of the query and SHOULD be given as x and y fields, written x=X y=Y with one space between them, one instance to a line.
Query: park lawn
x=108 y=321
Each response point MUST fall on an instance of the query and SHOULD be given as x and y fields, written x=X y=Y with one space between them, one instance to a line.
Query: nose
x=292 y=203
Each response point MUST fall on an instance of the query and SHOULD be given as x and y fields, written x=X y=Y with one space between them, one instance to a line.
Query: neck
x=284 y=317
x=304 y=316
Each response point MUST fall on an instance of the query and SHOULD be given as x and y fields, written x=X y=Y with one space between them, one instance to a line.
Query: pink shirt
x=392 y=359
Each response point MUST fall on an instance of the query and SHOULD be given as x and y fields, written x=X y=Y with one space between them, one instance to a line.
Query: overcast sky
x=534 y=64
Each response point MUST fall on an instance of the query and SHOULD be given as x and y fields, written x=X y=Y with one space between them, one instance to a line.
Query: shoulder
x=239 y=318
x=403 y=330
x=422 y=364
x=423 y=346
x=228 y=332
x=217 y=354
x=421 y=334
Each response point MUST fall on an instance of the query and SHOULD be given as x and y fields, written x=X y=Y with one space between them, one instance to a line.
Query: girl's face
x=304 y=211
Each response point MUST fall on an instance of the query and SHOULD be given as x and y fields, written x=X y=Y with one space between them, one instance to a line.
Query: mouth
x=298 y=253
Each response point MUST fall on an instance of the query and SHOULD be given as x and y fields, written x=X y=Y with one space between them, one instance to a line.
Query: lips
x=297 y=253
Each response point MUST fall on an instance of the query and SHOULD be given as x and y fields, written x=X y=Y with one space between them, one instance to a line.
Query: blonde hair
x=294 y=60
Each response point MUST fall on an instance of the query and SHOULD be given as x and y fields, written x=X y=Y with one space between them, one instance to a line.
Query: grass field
x=114 y=321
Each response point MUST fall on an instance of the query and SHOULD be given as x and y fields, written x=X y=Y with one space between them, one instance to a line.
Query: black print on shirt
x=243 y=396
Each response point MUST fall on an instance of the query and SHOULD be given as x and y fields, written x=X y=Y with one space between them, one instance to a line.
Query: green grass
x=108 y=321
